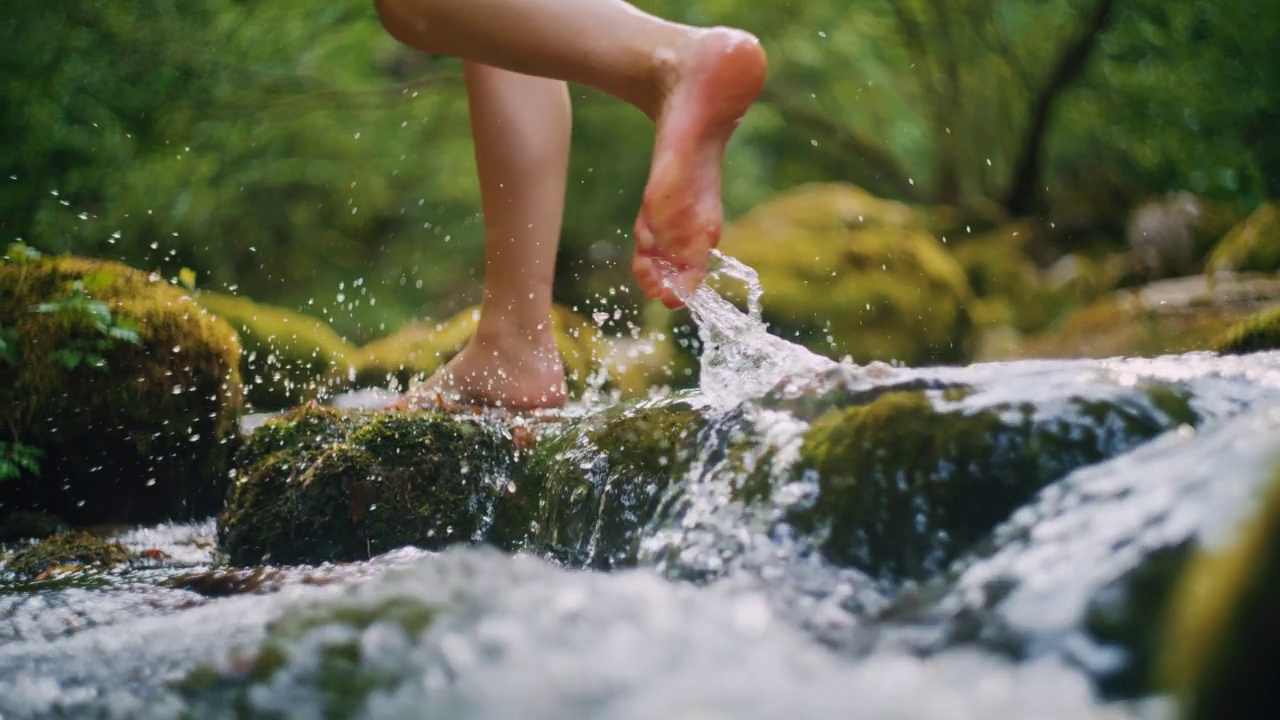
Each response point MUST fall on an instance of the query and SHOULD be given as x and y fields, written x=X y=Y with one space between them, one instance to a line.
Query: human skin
x=694 y=83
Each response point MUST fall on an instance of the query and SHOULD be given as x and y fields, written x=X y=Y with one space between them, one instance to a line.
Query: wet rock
x=418 y=349
x=912 y=478
x=288 y=358
x=346 y=663
x=1222 y=651
x=845 y=272
x=1253 y=245
x=129 y=389
x=63 y=553
x=1253 y=334
x=1090 y=569
x=588 y=488
x=1165 y=317
x=319 y=484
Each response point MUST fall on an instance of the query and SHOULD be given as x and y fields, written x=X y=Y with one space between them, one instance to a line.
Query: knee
x=401 y=17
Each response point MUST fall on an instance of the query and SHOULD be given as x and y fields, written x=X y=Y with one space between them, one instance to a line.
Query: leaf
x=126 y=334
x=187 y=278
x=69 y=358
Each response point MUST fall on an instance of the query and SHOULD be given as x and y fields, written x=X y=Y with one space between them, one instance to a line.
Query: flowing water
x=729 y=613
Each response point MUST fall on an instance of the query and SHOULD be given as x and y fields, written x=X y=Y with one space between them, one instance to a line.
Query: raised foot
x=486 y=373
x=711 y=86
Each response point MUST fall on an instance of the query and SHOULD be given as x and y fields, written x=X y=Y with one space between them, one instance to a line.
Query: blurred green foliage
x=297 y=154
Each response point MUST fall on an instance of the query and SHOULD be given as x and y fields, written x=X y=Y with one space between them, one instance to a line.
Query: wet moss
x=1254 y=244
x=323 y=485
x=1221 y=651
x=1253 y=334
x=338 y=666
x=847 y=273
x=588 y=488
x=142 y=433
x=420 y=348
x=908 y=480
x=288 y=358
x=64 y=550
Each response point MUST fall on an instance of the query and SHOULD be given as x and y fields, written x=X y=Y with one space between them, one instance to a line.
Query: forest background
x=296 y=154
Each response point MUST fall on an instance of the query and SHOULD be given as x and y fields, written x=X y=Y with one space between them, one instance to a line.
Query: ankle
x=514 y=332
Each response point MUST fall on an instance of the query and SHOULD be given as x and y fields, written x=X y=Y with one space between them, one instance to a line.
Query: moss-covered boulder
x=845 y=272
x=1009 y=289
x=1221 y=654
x=319 y=484
x=1253 y=245
x=419 y=348
x=126 y=389
x=288 y=358
x=911 y=478
x=60 y=554
x=1253 y=334
x=588 y=488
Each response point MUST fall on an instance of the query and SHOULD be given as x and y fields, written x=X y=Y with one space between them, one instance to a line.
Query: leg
x=520 y=126
x=695 y=84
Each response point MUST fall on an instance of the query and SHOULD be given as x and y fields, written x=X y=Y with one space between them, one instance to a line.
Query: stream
x=728 y=611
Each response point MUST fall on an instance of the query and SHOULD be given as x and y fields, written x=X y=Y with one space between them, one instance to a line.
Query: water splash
x=740 y=358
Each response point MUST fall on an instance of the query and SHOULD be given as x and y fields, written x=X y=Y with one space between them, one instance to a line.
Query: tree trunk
x=1023 y=191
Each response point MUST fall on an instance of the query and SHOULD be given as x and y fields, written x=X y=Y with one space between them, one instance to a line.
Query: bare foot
x=709 y=89
x=506 y=371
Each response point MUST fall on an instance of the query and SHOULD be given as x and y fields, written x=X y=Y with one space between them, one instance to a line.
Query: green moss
x=288 y=358
x=337 y=666
x=906 y=482
x=419 y=349
x=589 y=487
x=62 y=550
x=1221 y=652
x=1253 y=334
x=1254 y=244
x=325 y=485
x=1009 y=288
x=143 y=438
x=838 y=263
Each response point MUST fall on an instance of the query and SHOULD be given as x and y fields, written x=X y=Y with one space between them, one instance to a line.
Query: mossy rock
x=340 y=665
x=910 y=479
x=1009 y=288
x=319 y=484
x=1221 y=654
x=1253 y=334
x=420 y=348
x=1254 y=244
x=588 y=488
x=288 y=358
x=1167 y=317
x=134 y=429
x=64 y=551
x=848 y=273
